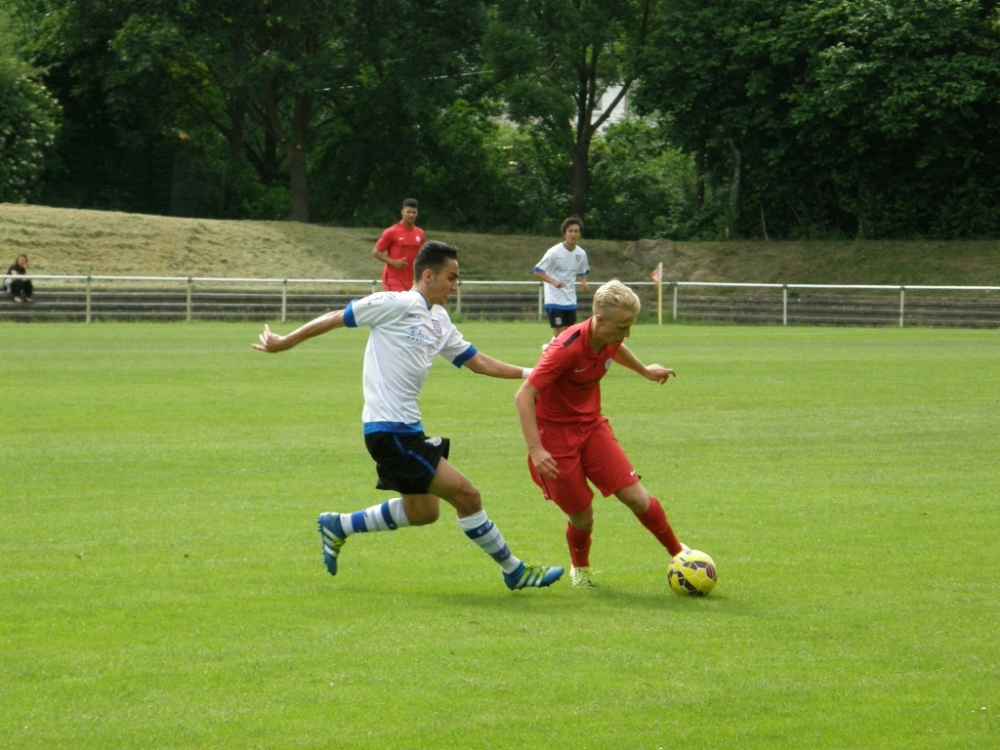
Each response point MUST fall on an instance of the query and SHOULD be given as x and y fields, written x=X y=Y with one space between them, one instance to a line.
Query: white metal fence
x=90 y=298
x=969 y=305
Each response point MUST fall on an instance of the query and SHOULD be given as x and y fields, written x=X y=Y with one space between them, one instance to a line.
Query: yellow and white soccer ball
x=692 y=573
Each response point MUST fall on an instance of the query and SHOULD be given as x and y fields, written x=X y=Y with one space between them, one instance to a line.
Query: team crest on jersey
x=437 y=327
x=607 y=364
x=433 y=441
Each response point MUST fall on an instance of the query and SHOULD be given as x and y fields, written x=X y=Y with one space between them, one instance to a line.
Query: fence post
x=284 y=300
x=458 y=299
x=659 y=297
x=541 y=300
x=902 y=305
x=190 y=281
x=676 y=287
x=88 y=299
x=784 y=304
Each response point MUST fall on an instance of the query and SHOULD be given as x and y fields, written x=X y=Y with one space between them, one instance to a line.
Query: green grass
x=162 y=584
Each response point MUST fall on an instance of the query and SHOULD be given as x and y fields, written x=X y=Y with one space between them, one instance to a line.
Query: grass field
x=162 y=584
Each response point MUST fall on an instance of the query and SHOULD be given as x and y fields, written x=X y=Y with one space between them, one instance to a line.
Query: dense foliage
x=767 y=118
x=869 y=118
x=29 y=119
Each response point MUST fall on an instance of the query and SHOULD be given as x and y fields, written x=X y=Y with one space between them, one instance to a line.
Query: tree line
x=749 y=118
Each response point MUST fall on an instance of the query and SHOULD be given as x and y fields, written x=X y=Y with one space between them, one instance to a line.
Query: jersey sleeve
x=545 y=264
x=385 y=241
x=375 y=309
x=456 y=349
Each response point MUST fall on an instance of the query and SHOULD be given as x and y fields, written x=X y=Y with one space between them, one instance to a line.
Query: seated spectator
x=21 y=289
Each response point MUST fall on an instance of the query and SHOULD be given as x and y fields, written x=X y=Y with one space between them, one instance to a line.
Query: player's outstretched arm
x=483 y=364
x=271 y=342
x=656 y=373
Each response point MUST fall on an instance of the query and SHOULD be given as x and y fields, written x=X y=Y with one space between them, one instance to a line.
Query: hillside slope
x=78 y=242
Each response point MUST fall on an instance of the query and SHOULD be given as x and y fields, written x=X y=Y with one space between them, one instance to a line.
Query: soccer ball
x=692 y=573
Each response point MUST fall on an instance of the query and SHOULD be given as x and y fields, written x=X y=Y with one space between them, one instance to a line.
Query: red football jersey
x=399 y=242
x=568 y=377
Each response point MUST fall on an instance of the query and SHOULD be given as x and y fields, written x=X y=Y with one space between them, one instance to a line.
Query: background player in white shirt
x=407 y=329
x=559 y=268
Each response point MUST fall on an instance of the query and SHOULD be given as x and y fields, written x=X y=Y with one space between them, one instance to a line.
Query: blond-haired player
x=569 y=439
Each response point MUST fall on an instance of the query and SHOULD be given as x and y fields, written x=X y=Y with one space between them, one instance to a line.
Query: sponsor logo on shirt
x=422 y=336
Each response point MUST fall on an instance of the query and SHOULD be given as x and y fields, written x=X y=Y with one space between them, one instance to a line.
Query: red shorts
x=581 y=453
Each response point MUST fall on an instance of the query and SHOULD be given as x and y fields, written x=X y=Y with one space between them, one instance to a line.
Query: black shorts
x=406 y=463
x=561 y=318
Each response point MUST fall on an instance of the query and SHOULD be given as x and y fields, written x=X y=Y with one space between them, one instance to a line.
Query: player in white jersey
x=407 y=330
x=559 y=268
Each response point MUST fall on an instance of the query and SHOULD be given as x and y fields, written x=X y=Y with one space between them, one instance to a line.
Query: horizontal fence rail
x=165 y=298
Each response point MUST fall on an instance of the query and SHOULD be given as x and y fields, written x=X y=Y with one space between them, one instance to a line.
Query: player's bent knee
x=467 y=501
x=583 y=521
x=634 y=497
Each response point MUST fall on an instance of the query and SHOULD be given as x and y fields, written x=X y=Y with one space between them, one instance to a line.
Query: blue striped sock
x=387 y=516
x=484 y=533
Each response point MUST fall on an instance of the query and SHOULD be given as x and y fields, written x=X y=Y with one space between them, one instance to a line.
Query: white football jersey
x=565 y=266
x=405 y=336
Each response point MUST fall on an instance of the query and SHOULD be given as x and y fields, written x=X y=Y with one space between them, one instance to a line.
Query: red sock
x=579 y=546
x=656 y=521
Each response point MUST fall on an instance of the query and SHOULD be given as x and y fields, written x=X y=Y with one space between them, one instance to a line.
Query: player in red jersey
x=398 y=247
x=570 y=441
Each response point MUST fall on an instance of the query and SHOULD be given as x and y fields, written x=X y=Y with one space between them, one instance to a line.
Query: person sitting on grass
x=20 y=289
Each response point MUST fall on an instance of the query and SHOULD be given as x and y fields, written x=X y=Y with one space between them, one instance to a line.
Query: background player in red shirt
x=570 y=441
x=397 y=248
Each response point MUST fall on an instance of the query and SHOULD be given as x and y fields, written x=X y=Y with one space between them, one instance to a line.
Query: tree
x=257 y=71
x=858 y=117
x=28 y=120
x=271 y=76
x=901 y=101
x=554 y=59
x=708 y=72
x=642 y=185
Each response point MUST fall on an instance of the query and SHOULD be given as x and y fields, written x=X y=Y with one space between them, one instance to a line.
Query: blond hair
x=615 y=296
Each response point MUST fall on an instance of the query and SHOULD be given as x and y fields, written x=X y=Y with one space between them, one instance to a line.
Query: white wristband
x=525 y=372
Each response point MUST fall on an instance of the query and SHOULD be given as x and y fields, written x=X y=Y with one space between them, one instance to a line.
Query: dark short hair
x=433 y=255
x=568 y=222
x=410 y=203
